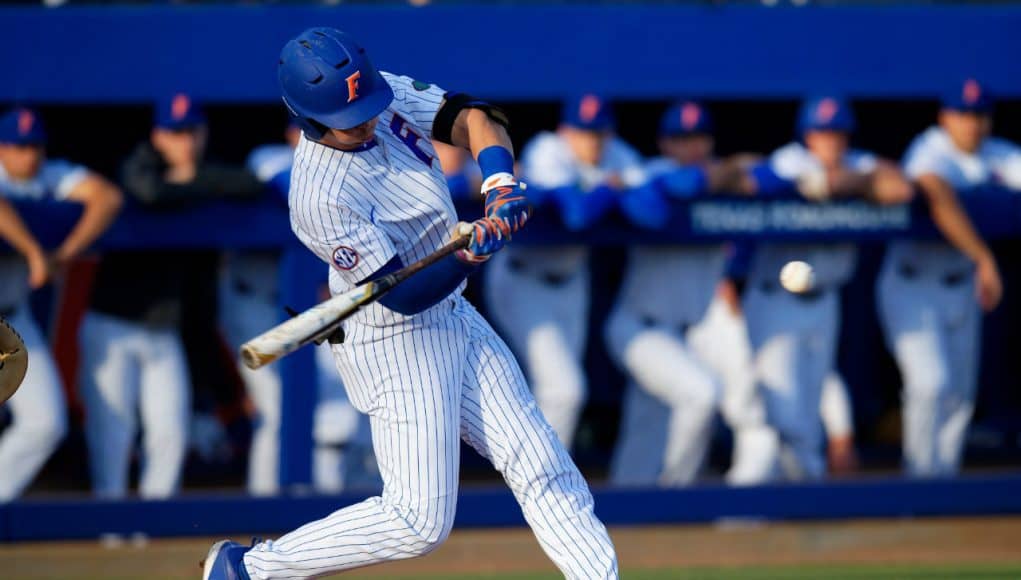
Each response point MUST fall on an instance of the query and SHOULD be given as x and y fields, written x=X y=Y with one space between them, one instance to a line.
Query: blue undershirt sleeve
x=425 y=289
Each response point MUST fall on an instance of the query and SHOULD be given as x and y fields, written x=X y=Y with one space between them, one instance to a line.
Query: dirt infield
x=479 y=553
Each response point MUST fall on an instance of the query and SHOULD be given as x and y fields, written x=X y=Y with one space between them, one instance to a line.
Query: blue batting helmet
x=329 y=82
x=685 y=118
x=826 y=113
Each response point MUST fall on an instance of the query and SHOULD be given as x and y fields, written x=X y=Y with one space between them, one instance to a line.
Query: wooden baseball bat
x=320 y=321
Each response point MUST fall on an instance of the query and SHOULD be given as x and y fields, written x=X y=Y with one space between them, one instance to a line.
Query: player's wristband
x=495 y=159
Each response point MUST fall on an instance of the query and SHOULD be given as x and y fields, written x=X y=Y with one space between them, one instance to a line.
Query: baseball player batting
x=368 y=197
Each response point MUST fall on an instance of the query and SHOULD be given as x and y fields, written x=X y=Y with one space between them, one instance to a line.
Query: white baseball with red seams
x=797 y=277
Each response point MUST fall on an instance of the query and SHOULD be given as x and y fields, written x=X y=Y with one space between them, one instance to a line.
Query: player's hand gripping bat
x=319 y=322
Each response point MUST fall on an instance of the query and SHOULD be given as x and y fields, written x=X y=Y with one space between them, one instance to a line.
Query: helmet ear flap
x=313 y=129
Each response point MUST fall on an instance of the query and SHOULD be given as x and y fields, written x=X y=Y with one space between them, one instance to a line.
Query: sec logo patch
x=345 y=258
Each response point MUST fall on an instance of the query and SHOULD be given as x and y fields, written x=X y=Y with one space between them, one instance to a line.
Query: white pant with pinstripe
x=426 y=383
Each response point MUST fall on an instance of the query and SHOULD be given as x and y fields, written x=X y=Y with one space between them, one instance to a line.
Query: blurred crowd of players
x=698 y=330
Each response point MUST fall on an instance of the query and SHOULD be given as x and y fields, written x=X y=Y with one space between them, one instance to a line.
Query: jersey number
x=409 y=137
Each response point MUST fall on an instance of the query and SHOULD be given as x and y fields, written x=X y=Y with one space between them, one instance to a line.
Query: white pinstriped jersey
x=55 y=181
x=997 y=162
x=671 y=284
x=548 y=163
x=833 y=263
x=358 y=209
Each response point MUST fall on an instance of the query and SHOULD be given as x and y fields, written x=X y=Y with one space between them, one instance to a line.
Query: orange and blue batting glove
x=505 y=197
x=487 y=238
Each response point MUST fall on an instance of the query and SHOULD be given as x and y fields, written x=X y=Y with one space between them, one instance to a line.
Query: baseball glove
x=13 y=360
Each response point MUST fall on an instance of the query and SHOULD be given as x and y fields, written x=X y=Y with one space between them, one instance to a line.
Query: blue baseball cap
x=972 y=97
x=588 y=112
x=21 y=126
x=826 y=113
x=685 y=118
x=179 y=112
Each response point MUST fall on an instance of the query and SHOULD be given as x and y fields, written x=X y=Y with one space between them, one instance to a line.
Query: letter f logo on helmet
x=352 y=85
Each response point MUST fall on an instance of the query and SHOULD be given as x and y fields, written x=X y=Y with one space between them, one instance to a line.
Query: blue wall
x=522 y=52
x=210 y=515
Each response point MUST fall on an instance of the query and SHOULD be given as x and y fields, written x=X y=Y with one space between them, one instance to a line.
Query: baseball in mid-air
x=797 y=277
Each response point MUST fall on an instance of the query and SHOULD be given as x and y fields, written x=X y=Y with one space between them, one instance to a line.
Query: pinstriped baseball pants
x=427 y=383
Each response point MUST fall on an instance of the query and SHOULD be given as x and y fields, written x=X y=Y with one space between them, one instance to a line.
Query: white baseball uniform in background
x=426 y=381
x=543 y=302
x=720 y=340
x=129 y=370
x=666 y=291
x=928 y=309
x=249 y=306
x=794 y=337
x=38 y=410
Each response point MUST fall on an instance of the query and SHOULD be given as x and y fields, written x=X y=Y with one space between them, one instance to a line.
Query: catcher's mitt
x=13 y=360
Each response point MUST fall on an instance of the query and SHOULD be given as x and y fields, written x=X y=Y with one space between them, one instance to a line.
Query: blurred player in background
x=38 y=407
x=666 y=291
x=539 y=296
x=930 y=293
x=794 y=336
x=250 y=303
x=133 y=361
x=463 y=176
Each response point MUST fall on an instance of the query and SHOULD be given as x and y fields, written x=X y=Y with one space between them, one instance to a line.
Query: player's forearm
x=476 y=131
x=14 y=232
x=102 y=201
x=951 y=219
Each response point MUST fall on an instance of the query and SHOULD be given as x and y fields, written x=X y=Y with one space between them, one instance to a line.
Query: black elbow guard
x=443 y=124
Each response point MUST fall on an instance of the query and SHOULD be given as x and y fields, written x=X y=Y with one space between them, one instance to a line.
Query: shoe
x=225 y=561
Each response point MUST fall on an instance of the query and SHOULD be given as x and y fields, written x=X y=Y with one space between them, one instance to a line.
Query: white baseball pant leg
x=126 y=369
x=835 y=407
x=794 y=341
x=547 y=324
x=720 y=341
x=38 y=411
x=442 y=377
x=933 y=331
x=244 y=317
x=659 y=360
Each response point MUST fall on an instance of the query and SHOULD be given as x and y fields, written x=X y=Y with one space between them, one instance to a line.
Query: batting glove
x=506 y=202
x=487 y=238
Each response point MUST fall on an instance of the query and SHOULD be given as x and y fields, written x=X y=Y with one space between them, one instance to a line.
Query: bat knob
x=251 y=358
